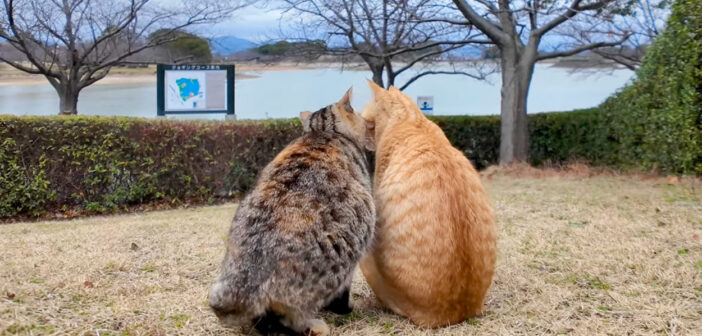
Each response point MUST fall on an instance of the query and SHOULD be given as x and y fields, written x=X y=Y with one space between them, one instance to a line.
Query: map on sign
x=186 y=90
x=189 y=88
x=195 y=90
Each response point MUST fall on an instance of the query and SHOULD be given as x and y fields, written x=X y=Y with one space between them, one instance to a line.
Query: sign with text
x=426 y=104
x=193 y=89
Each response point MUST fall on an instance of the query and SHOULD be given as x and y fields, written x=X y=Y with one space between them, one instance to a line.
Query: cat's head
x=339 y=118
x=389 y=106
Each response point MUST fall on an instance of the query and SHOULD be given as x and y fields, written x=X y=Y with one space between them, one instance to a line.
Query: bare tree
x=529 y=31
x=75 y=43
x=390 y=36
x=646 y=21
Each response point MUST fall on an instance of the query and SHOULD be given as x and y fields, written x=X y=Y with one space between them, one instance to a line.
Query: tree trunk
x=376 y=67
x=377 y=71
x=514 y=129
x=68 y=99
x=390 y=73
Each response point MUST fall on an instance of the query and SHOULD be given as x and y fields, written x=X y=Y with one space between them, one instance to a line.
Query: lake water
x=283 y=94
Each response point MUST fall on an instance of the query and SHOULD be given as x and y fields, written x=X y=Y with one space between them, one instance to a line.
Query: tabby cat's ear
x=305 y=119
x=346 y=99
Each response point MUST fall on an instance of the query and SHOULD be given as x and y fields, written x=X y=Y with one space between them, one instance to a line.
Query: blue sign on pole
x=426 y=104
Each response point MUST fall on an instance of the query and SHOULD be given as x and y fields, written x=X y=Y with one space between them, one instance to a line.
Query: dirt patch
x=600 y=255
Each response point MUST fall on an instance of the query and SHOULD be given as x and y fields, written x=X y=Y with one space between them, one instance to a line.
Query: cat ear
x=305 y=119
x=375 y=89
x=346 y=99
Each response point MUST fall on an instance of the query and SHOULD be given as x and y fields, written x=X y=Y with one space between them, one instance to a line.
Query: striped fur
x=298 y=236
x=434 y=253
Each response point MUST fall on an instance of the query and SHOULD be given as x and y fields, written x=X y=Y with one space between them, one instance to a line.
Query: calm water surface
x=283 y=94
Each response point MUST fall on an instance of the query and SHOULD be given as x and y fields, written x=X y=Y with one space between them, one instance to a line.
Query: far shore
x=13 y=77
x=111 y=79
x=10 y=77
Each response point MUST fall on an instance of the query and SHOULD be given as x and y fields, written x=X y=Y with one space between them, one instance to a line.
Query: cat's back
x=421 y=155
x=424 y=168
x=311 y=209
x=436 y=249
x=316 y=164
x=310 y=174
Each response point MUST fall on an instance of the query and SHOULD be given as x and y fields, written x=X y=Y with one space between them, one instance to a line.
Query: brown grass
x=600 y=255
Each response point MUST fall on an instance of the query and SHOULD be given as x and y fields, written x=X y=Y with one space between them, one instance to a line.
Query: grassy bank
x=578 y=255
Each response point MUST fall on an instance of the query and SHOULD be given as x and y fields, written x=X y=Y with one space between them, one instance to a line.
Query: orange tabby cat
x=434 y=254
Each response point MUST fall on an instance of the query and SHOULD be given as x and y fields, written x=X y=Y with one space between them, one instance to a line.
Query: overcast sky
x=252 y=23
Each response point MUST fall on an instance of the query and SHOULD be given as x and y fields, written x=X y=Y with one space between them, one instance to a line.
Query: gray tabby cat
x=298 y=236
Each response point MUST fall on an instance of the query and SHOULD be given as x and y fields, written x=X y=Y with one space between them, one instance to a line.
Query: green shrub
x=97 y=164
x=581 y=135
x=657 y=120
x=23 y=186
x=556 y=138
x=477 y=137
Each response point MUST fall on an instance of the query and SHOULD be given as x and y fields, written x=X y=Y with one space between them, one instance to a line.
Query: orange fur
x=434 y=254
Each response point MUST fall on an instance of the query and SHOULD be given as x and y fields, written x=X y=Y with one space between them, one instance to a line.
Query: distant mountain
x=225 y=45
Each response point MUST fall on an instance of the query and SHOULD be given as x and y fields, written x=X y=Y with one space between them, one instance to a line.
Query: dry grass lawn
x=600 y=255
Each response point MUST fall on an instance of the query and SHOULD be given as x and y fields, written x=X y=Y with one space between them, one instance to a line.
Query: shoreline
x=12 y=77
x=31 y=80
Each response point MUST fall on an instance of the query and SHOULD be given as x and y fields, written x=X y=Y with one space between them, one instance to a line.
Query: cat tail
x=241 y=291
x=227 y=300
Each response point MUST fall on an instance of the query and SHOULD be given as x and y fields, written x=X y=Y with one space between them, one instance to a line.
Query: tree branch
x=572 y=11
x=575 y=51
x=427 y=73
x=489 y=28
x=21 y=67
x=427 y=55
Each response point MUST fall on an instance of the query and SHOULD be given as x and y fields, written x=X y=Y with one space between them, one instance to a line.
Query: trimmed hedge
x=97 y=164
x=556 y=137
x=94 y=164
x=477 y=137
x=580 y=135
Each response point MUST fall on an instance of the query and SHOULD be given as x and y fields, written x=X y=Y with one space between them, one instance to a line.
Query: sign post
x=195 y=89
x=426 y=104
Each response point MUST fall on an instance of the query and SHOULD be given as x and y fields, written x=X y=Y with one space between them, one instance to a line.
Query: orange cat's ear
x=305 y=119
x=375 y=89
